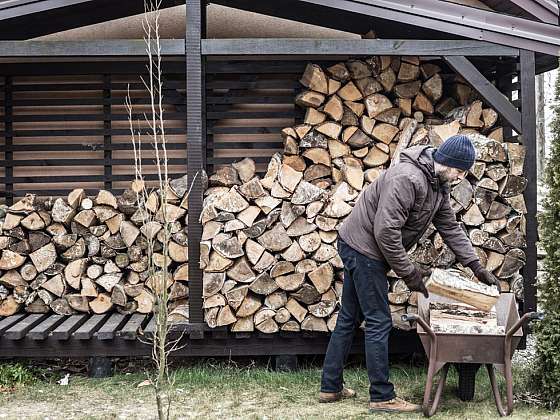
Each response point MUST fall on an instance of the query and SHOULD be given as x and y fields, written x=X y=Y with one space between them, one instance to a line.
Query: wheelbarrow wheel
x=467 y=379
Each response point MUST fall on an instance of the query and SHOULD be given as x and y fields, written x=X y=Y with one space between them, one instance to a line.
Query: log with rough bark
x=89 y=254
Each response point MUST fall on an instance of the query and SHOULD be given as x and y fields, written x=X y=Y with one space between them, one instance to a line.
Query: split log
x=450 y=285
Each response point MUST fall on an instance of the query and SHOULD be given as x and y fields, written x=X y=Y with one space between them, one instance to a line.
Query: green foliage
x=14 y=374
x=547 y=372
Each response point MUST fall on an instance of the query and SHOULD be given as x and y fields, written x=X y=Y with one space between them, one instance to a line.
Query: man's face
x=448 y=175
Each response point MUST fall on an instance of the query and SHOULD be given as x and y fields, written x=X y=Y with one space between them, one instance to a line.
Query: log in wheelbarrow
x=493 y=351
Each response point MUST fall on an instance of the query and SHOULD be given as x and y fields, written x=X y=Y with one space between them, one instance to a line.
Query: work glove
x=414 y=281
x=484 y=275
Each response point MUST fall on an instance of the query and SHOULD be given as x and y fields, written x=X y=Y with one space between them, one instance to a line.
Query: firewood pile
x=90 y=254
x=268 y=247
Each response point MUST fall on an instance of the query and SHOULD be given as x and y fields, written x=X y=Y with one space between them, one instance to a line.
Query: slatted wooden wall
x=65 y=125
x=68 y=127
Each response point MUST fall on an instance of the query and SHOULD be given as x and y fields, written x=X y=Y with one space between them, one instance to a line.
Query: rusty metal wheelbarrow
x=494 y=351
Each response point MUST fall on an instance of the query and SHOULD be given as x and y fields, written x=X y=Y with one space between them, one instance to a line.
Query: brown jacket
x=393 y=213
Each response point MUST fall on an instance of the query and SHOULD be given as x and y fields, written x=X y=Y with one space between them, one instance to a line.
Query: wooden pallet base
x=85 y=336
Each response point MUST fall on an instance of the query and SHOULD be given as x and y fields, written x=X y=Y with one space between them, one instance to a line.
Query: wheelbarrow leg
x=427 y=409
x=529 y=316
x=496 y=390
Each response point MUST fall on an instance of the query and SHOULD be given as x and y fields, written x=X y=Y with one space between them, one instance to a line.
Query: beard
x=445 y=177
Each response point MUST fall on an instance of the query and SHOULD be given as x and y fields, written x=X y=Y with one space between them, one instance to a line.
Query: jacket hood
x=422 y=158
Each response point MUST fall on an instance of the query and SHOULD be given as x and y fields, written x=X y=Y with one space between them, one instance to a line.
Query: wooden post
x=527 y=83
x=196 y=138
x=8 y=154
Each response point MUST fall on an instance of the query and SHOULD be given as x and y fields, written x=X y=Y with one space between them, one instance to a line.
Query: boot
x=327 y=397
x=396 y=405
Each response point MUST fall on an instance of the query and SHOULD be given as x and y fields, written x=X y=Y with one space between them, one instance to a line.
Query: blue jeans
x=364 y=296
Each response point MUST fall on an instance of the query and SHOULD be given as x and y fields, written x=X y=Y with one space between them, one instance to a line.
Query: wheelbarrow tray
x=471 y=348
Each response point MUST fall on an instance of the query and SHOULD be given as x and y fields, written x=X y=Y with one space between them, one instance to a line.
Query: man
x=389 y=217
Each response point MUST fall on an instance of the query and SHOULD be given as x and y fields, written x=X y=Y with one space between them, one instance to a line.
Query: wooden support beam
x=97 y=48
x=527 y=79
x=196 y=139
x=291 y=46
x=486 y=89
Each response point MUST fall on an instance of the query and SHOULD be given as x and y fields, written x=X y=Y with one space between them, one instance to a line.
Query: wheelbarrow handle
x=423 y=324
x=529 y=316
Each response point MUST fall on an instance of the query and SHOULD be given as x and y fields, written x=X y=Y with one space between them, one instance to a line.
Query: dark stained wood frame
x=195 y=49
x=529 y=130
x=196 y=140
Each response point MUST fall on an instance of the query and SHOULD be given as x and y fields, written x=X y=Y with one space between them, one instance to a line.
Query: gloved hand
x=484 y=275
x=414 y=281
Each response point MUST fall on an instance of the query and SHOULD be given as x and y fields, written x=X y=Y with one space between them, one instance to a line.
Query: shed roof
x=527 y=24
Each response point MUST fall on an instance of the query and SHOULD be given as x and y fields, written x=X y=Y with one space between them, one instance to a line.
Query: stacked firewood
x=91 y=254
x=269 y=244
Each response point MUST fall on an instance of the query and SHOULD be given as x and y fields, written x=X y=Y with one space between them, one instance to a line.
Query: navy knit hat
x=457 y=151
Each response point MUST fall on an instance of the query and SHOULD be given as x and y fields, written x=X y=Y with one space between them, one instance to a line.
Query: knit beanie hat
x=457 y=152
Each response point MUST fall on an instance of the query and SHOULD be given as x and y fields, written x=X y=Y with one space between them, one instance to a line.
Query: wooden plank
x=60 y=192
x=527 y=79
x=71 y=324
x=93 y=86
x=196 y=139
x=233 y=115
x=87 y=162
x=19 y=330
x=249 y=145
x=263 y=100
x=83 y=132
x=7 y=322
x=244 y=130
x=293 y=46
x=109 y=328
x=83 y=178
x=84 y=67
x=130 y=329
x=83 y=117
x=486 y=89
x=86 y=331
x=228 y=160
x=64 y=102
x=151 y=327
x=79 y=147
x=41 y=331
x=97 y=48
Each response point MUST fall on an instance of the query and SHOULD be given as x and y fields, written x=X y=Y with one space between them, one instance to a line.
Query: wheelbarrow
x=493 y=351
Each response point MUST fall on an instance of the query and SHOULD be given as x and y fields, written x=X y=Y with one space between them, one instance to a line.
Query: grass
x=227 y=390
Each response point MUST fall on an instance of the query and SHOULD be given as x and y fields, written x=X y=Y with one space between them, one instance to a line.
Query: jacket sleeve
x=452 y=234
x=395 y=202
